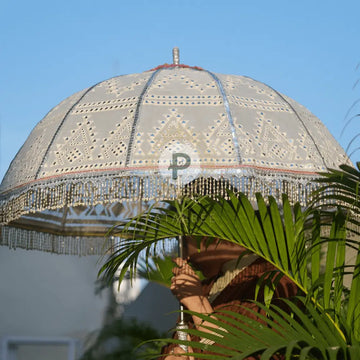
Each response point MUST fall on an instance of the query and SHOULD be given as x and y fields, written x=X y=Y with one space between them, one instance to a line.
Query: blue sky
x=307 y=50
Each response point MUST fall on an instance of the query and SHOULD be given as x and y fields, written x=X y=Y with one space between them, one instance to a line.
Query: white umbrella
x=141 y=137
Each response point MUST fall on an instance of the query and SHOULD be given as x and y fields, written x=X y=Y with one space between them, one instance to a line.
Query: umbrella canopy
x=141 y=137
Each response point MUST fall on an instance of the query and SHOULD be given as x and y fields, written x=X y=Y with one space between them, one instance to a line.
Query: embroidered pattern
x=79 y=156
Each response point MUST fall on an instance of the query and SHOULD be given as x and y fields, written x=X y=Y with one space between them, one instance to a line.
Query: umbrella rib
x=303 y=124
x=136 y=116
x=229 y=115
x=298 y=117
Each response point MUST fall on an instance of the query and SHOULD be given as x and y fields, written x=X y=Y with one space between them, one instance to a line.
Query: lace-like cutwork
x=103 y=147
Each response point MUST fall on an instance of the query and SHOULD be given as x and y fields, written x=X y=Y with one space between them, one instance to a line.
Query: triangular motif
x=189 y=84
x=217 y=136
x=135 y=83
x=174 y=127
x=115 y=146
x=78 y=146
x=275 y=143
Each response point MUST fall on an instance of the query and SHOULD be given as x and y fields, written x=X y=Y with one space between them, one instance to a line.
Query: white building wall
x=47 y=295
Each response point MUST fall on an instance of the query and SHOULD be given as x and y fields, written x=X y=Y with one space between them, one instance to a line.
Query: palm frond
x=306 y=334
x=272 y=232
x=341 y=187
x=262 y=232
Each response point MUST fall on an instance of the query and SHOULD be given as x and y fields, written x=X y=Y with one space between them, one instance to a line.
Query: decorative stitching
x=60 y=125
x=136 y=117
x=228 y=112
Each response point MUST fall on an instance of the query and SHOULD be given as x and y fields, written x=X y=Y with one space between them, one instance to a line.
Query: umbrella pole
x=181 y=325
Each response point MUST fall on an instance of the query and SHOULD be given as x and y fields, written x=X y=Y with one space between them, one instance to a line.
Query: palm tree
x=310 y=246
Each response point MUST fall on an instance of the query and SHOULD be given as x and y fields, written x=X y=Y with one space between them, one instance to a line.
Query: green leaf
x=353 y=314
x=267 y=224
x=289 y=232
x=315 y=251
x=279 y=233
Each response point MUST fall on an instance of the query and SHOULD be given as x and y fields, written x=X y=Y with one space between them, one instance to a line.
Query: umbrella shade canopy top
x=144 y=136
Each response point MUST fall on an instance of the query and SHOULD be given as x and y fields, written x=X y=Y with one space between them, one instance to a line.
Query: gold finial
x=176 y=56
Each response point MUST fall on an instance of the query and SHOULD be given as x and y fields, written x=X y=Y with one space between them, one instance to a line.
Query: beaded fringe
x=70 y=245
x=57 y=244
x=68 y=192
